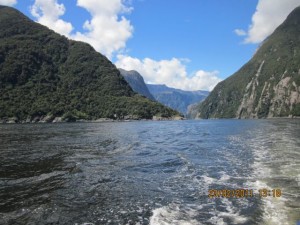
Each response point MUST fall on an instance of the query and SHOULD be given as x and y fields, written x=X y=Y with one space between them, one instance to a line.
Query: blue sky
x=187 y=44
x=202 y=31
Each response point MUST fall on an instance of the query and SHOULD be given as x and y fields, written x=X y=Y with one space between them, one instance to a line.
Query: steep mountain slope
x=45 y=75
x=268 y=85
x=175 y=98
x=136 y=82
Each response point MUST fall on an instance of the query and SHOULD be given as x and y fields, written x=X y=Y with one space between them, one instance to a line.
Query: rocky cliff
x=136 y=82
x=268 y=85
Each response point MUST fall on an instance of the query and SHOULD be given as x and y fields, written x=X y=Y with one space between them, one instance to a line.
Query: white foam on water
x=275 y=210
x=224 y=176
x=208 y=180
x=175 y=214
x=217 y=220
x=298 y=179
x=223 y=180
x=35 y=179
x=84 y=223
x=232 y=213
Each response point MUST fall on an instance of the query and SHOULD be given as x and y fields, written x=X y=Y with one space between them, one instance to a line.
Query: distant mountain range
x=137 y=83
x=46 y=77
x=174 y=98
x=268 y=85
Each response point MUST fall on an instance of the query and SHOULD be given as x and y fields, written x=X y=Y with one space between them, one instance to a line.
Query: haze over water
x=149 y=172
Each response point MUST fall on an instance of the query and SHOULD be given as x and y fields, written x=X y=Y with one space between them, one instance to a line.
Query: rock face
x=136 y=82
x=175 y=98
x=45 y=76
x=268 y=85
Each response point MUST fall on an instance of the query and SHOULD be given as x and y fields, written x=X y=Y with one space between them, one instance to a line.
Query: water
x=148 y=172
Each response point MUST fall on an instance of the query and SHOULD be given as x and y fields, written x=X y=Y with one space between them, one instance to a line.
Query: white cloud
x=170 y=72
x=8 y=2
x=240 y=32
x=268 y=16
x=106 y=31
x=48 y=13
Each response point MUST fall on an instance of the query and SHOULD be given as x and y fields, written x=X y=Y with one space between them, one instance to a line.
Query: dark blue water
x=148 y=172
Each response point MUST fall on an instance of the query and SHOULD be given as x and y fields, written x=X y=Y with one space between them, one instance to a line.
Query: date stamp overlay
x=244 y=193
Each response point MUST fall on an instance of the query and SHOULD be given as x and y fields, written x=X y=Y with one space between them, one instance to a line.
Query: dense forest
x=45 y=75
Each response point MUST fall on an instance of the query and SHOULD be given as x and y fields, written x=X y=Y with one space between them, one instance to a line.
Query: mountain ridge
x=268 y=85
x=45 y=75
x=176 y=99
x=136 y=82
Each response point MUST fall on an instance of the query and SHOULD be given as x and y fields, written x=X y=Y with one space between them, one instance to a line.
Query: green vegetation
x=43 y=73
x=280 y=53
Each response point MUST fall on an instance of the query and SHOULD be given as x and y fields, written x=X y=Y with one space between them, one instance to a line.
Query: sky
x=185 y=44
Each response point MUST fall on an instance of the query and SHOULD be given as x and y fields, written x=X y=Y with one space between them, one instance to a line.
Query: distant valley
x=177 y=99
x=174 y=98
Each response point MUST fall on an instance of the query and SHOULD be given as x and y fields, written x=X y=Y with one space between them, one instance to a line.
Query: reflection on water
x=149 y=172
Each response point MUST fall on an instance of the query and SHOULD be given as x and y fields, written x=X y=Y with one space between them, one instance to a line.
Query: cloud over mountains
x=108 y=31
x=268 y=16
x=8 y=2
x=171 y=72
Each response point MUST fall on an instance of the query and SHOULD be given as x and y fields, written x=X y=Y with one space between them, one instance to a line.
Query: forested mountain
x=268 y=85
x=44 y=76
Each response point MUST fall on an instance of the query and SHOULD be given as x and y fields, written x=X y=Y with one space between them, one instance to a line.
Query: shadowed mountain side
x=137 y=83
x=44 y=76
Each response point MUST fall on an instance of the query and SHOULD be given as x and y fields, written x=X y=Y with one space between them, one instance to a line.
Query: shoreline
x=47 y=119
x=100 y=120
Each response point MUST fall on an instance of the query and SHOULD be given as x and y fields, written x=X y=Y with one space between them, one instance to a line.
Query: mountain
x=175 y=98
x=268 y=85
x=44 y=76
x=136 y=82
